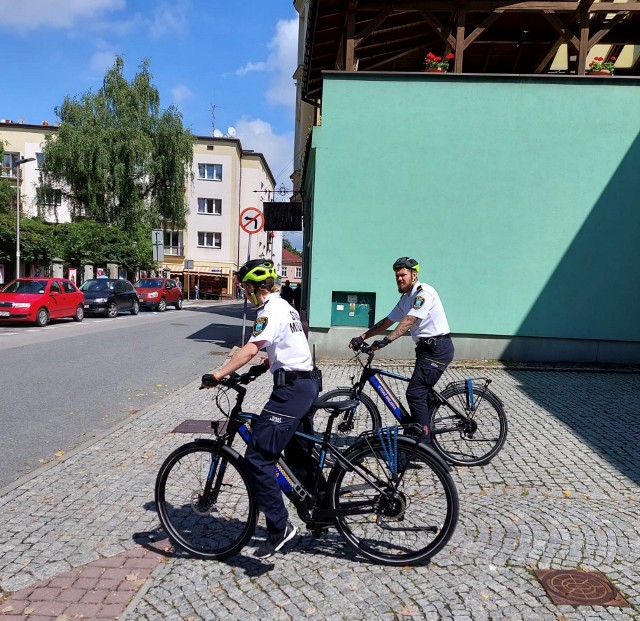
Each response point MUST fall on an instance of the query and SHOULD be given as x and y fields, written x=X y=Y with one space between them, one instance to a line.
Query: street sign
x=284 y=216
x=188 y=264
x=251 y=220
x=157 y=239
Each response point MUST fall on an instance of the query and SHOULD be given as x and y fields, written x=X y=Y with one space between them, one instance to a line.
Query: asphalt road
x=64 y=384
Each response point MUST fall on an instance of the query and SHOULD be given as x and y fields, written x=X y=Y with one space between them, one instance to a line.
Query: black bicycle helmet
x=406 y=262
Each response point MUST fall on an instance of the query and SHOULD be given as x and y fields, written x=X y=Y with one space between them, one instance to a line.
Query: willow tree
x=117 y=157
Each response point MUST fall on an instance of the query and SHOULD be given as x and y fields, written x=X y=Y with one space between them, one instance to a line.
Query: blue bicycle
x=391 y=498
x=468 y=422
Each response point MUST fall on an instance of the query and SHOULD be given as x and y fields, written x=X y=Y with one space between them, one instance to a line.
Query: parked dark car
x=109 y=296
x=37 y=300
x=158 y=293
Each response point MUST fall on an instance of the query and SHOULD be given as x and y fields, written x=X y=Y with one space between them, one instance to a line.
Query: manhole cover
x=579 y=588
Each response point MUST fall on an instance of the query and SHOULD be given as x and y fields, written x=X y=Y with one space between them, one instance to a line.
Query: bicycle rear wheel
x=392 y=519
x=204 y=500
x=475 y=441
x=349 y=425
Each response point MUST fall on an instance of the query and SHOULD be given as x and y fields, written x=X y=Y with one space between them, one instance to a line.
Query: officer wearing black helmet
x=419 y=311
x=277 y=329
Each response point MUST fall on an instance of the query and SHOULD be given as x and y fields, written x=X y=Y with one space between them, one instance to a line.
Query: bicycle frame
x=302 y=498
x=374 y=377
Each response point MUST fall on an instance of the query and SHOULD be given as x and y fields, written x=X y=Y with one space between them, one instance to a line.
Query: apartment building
x=227 y=180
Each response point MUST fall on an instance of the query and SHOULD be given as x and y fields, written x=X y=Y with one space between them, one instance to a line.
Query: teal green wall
x=519 y=197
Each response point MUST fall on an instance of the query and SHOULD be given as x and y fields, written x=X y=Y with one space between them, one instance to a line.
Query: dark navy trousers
x=426 y=373
x=286 y=411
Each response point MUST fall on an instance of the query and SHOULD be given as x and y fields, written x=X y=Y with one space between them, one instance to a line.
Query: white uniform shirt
x=424 y=303
x=278 y=325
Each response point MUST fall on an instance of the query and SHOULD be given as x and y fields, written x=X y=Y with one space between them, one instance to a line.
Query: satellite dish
x=217 y=133
x=231 y=131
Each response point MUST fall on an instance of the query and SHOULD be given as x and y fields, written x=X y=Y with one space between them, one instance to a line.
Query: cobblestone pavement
x=562 y=494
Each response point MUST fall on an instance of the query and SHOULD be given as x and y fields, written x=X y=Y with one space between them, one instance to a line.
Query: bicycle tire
x=408 y=524
x=351 y=424
x=469 y=444
x=215 y=530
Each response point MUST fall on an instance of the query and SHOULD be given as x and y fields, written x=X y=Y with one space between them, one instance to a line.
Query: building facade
x=227 y=181
x=513 y=182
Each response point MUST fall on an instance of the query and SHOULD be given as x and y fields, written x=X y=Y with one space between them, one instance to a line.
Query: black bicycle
x=468 y=424
x=391 y=498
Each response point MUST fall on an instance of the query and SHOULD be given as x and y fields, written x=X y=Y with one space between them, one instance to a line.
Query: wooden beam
x=349 y=53
x=460 y=22
x=433 y=21
x=615 y=7
x=551 y=54
x=583 y=49
x=562 y=28
x=372 y=27
x=605 y=29
x=481 y=28
x=473 y=6
x=388 y=59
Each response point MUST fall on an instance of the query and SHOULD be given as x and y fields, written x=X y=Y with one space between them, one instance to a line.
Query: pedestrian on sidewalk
x=277 y=329
x=196 y=292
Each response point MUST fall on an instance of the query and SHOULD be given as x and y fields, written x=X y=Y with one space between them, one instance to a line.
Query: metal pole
x=19 y=163
x=18 y=221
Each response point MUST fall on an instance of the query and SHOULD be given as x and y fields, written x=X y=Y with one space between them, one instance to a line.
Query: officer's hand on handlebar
x=209 y=380
x=356 y=343
x=376 y=345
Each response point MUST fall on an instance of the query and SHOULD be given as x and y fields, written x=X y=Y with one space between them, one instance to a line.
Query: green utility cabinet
x=350 y=308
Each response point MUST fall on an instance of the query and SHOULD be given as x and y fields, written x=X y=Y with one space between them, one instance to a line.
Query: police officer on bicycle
x=420 y=311
x=277 y=329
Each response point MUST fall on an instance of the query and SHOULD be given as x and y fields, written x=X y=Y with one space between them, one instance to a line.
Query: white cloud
x=169 y=19
x=100 y=62
x=280 y=64
x=258 y=135
x=32 y=14
x=181 y=93
x=283 y=61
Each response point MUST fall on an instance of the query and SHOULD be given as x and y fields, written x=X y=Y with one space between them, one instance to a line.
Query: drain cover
x=579 y=588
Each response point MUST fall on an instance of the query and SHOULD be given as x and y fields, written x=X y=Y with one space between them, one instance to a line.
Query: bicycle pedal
x=318 y=532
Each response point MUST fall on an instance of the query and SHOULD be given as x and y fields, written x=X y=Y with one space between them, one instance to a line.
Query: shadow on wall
x=598 y=409
x=594 y=292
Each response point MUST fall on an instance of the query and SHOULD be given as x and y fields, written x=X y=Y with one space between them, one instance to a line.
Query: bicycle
x=390 y=498
x=468 y=424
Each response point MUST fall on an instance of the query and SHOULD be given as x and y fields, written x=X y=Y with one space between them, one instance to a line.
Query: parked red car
x=39 y=300
x=158 y=293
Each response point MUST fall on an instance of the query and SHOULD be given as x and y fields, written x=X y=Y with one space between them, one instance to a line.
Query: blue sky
x=236 y=56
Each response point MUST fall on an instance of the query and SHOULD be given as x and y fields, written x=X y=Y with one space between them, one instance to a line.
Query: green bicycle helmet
x=257 y=270
x=406 y=262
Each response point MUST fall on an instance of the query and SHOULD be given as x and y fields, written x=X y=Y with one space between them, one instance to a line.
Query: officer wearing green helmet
x=277 y=329
x=420 y=312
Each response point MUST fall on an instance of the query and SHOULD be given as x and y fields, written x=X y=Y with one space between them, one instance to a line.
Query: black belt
x=293 y=375
x=426 y=338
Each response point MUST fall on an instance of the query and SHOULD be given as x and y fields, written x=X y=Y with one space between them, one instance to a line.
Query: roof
x=290 y=258
x=486 y=36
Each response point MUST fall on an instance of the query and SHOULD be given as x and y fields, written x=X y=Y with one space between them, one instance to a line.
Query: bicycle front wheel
x=394 y=510
x=204 y=500
x=476 y=439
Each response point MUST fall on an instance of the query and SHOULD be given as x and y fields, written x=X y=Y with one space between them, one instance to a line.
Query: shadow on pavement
x=601 y=408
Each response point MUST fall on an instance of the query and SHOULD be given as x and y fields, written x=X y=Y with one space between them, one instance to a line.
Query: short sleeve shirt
x=278 y=325
x=424 y=303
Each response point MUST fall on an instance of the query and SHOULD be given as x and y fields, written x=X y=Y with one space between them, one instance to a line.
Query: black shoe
x=275 y=542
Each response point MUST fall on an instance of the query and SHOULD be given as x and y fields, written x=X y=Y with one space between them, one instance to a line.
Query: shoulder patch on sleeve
x=419 y=289
x=259 y=325
x=418 y=302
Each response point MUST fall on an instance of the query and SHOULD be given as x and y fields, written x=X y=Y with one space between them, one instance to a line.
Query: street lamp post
x=19 y=163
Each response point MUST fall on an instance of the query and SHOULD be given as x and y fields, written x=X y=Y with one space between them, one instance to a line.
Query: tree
x=286 y=244
x=117 y=158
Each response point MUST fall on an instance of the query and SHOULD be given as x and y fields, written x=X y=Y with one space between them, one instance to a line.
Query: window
x=55 y=287
x=173 y=243
x=52 y=197
x=9 y=164
x=283 y=271
x=210 y=171
x=39 y=159
x=298 y=272
x=210 y=240
x=68 y=287
x=210 y=206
